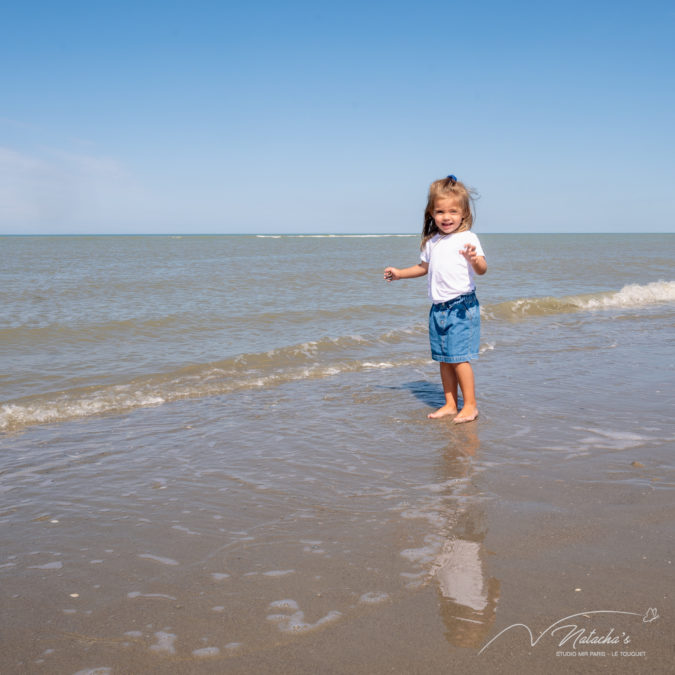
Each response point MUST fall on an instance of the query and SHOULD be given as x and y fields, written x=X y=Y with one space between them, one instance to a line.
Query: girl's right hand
x=391 y=274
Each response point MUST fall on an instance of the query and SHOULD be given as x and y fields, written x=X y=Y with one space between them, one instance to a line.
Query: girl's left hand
x=469 y=252
x=476 y=261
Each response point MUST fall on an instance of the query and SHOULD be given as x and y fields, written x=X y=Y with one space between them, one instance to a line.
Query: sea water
x=97 y=325
x=221 y=441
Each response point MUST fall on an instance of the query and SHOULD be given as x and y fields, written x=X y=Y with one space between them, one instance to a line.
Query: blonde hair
x=449 y=188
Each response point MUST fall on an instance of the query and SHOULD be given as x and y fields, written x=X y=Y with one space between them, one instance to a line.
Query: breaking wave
x=631 y=296
x=307 y=361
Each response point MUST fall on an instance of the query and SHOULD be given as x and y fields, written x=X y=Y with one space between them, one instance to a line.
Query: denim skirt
x=454 y=329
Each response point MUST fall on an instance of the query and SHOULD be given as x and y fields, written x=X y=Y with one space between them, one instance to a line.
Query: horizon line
x=299 y=234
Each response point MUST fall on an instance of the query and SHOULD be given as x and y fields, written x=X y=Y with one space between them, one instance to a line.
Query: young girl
x=451 y=255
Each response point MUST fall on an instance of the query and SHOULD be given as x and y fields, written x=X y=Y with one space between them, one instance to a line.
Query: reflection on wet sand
x=468 y=598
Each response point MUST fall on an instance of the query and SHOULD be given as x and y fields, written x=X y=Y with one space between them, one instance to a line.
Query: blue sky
x=150 y=117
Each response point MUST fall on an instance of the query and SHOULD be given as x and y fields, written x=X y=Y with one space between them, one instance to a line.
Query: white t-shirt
x=450 y=273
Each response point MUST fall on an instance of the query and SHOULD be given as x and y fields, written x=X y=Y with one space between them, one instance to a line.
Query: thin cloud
x=57 y=189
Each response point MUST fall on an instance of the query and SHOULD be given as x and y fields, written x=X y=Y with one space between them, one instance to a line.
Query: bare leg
x=464 y=374
x=449 y=381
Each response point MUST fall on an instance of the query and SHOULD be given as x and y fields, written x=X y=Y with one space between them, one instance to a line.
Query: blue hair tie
x=453 y=178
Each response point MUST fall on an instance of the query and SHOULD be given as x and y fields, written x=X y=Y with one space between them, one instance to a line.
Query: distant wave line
x=330 y=236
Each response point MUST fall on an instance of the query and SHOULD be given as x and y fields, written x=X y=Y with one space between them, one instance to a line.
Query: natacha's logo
x=573 y=636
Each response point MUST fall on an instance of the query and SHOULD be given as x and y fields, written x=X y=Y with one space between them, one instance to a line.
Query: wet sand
x=161 y=548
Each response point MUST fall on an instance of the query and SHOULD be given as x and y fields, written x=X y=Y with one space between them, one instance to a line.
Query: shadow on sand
x=428 y=393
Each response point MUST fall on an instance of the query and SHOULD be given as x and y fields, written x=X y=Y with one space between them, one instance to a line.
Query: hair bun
x=452 y=179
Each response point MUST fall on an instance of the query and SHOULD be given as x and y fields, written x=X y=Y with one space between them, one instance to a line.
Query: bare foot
x=445 y=411
x=468 y=414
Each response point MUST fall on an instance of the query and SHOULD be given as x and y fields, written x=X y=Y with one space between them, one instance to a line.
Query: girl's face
x=448 y=214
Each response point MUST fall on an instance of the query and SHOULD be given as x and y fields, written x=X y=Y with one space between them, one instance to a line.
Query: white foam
x=373 y=598
x=48 y=566
x=295 y=622
x=137 y=594
x=14 y=415
x=164 y=643
x=623 y=438
x=94 y=671
x=433 y=517
x=206 y=652
x=634 y=295
x=425 y=554
x=219 y=576
x=278 y=573
x=438 y=487
x=158 y=558
x=187 y=530
x=608 y=439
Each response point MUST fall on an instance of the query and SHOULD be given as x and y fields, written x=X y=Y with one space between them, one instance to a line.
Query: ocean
x=214 y=452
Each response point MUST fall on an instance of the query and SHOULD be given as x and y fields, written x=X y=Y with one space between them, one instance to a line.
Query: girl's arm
x=393 y=273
